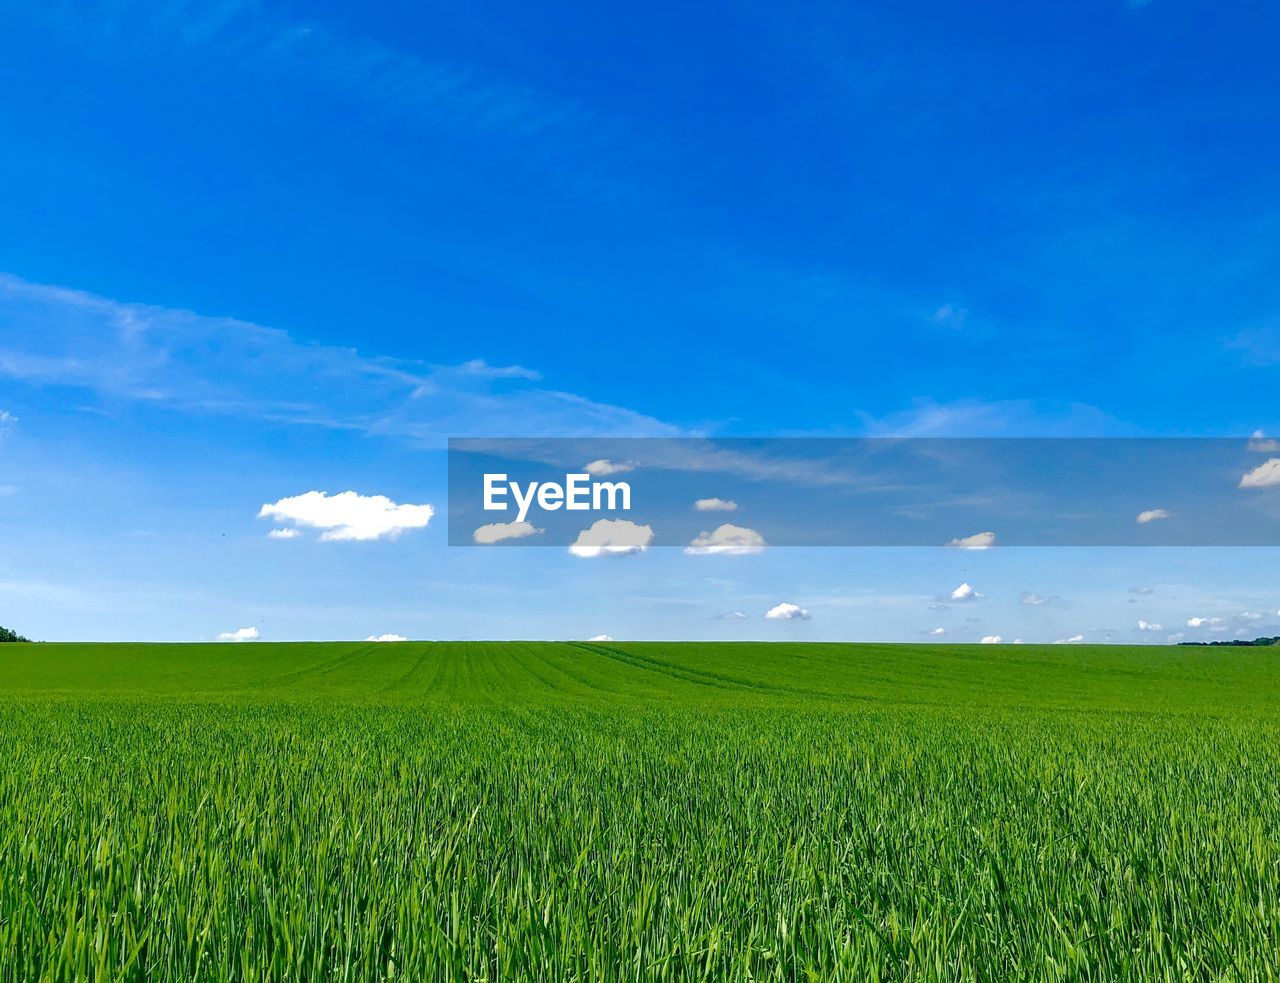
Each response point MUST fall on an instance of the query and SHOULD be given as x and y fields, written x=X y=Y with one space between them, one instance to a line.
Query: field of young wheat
x=647 y=811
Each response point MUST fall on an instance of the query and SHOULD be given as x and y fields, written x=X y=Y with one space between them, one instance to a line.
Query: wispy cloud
x=995 y=418
x=117 y=351
x=387 y=79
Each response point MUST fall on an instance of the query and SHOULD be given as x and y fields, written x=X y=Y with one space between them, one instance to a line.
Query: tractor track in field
x=322 y=668
x=705 y=677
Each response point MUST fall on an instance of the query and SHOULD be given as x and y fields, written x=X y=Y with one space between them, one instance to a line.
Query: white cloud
x=991 y=639
x=949 y=315
x=482 y=369
x=732 y=616
x=1141 y=590
x=936 y=632
x=603 y=468
x=715 y=505
x=787 y=612
x=1017 y=641
x=1033 y=600
x=600 y=638
x=173 y=358
x=964 y=593
x=728 y=539
x=1148 y=626
x=1260 y=443
x=612 y=537
x=1152 y=515
x=348 y=515
x=239 y=635
x=386 y=638
x=1204 y=622
x=978 y=541
x=283 y=534
x=1249 y=617
x=496 y=532
x=1265 y=475
x=7 y=418
x=1073 y=640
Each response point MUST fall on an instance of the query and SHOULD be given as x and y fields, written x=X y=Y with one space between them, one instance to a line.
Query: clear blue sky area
x=253 y=250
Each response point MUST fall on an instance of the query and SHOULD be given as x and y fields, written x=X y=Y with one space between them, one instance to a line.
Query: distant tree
x=8 y=635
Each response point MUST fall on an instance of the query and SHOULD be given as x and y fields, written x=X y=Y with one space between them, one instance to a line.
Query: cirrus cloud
x=348 y=515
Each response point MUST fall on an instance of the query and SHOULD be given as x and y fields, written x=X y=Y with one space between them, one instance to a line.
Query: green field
x=547 y=811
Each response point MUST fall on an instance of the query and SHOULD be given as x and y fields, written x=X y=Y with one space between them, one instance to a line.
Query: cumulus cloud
x=787 y=612
x=603 y=468
x=1260 y=443
x=1148 y=626
x=715 y=505
x=991 y=639
x=936 y=632
x=386 y=638
x=1205 y=622
x=1265 y=475
x=496 y=532
x=7 y=418
x=728 y=539
x=1033 y=600
x=1073 y=640
x=239 y=635
x=963 y=594
x=978 y=541
x=600 y=638
x=348 y=515
x=283 y=534
x=1152 y=515
x=612 y=537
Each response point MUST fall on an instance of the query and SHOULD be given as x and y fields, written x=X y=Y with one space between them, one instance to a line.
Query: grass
x=686 y=811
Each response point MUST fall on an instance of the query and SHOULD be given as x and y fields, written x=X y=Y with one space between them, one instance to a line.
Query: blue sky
x=254 y=249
